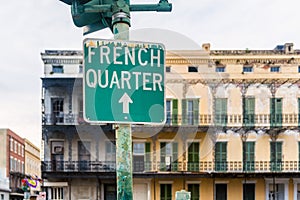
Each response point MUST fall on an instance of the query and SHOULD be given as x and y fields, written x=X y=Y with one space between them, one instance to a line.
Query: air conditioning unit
x=58 y=149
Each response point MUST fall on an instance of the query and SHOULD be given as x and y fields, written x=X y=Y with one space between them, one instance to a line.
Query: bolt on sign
x=124 y=82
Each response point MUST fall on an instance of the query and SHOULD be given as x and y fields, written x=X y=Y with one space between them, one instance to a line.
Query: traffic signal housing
x=93 y=15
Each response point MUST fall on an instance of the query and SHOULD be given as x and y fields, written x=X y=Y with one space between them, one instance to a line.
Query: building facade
x=231 y=130
x=4 y=177
x=32 y=164
x=14 y=162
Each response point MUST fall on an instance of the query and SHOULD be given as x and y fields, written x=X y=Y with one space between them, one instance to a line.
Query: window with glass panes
x=276 y=156
x=220 y=69
x=138 y=156
x=190 y=111
x=195 y=191
x=171 y=111
x=168 y=156
x=247 y=69
x=57 y=69
x=110 y=151
x=221 y=156
x=165 y=191
x=168 y=112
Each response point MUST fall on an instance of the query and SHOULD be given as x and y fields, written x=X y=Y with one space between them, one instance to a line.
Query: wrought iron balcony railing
x=63 y=119
x=201 y=167
x=232 y=120
x=236 y=120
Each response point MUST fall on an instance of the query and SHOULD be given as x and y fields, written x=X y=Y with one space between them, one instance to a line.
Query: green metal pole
x=123 y=131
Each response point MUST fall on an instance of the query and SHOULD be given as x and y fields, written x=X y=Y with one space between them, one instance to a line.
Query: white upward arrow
x=125 y=99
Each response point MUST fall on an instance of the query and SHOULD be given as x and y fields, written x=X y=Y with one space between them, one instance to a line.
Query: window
x=193 y=69
x=276 y=156
x=195 y=192
x=275 y=69
x=247 y=69
x=168 y=156
x=190 y=111
x=16 y=147
x=249 y=112
x=11 y=163
x=57 y=69
x=22 y=151
x=139 y=156
x=84 y=154
x=11 y=144
x=220 y=111
x=249 y=191
x=168 y=68
x=80 y=69
x=193 y=156
x=275 y=112
x=110 y=154
x=138 y=148
x=2 y=196
x=57 y=110
x=168 y=112
x=15 y=167
x=220 y=69
x=57 y=193
x=221 y=191
x=165 y=192
x=221 y=156
x=172 y=111
x=19 y=149
x=248 y=156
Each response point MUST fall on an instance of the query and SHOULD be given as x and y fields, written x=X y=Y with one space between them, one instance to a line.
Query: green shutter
x=221 y=156
x=249 y=156
x=193 y=156
x=221 y=111
x=275 y=112
x=184 y=111
x=249 y=112
x=276 y=156
x=174 y=111
x=195 y=192
x=148 y=156
x=174 y=156
x=163 y=156
x=165 y=192
x=196 y=111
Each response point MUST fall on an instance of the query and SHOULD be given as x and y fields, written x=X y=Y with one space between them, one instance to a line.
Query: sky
x=33 y=26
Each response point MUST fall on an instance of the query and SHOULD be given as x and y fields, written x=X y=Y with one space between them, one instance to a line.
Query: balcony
x=159 y=167
x=63 y=119
x=235 y=120
x=78 y=166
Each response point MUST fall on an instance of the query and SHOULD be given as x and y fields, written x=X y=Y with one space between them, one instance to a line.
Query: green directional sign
x=123 y=81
